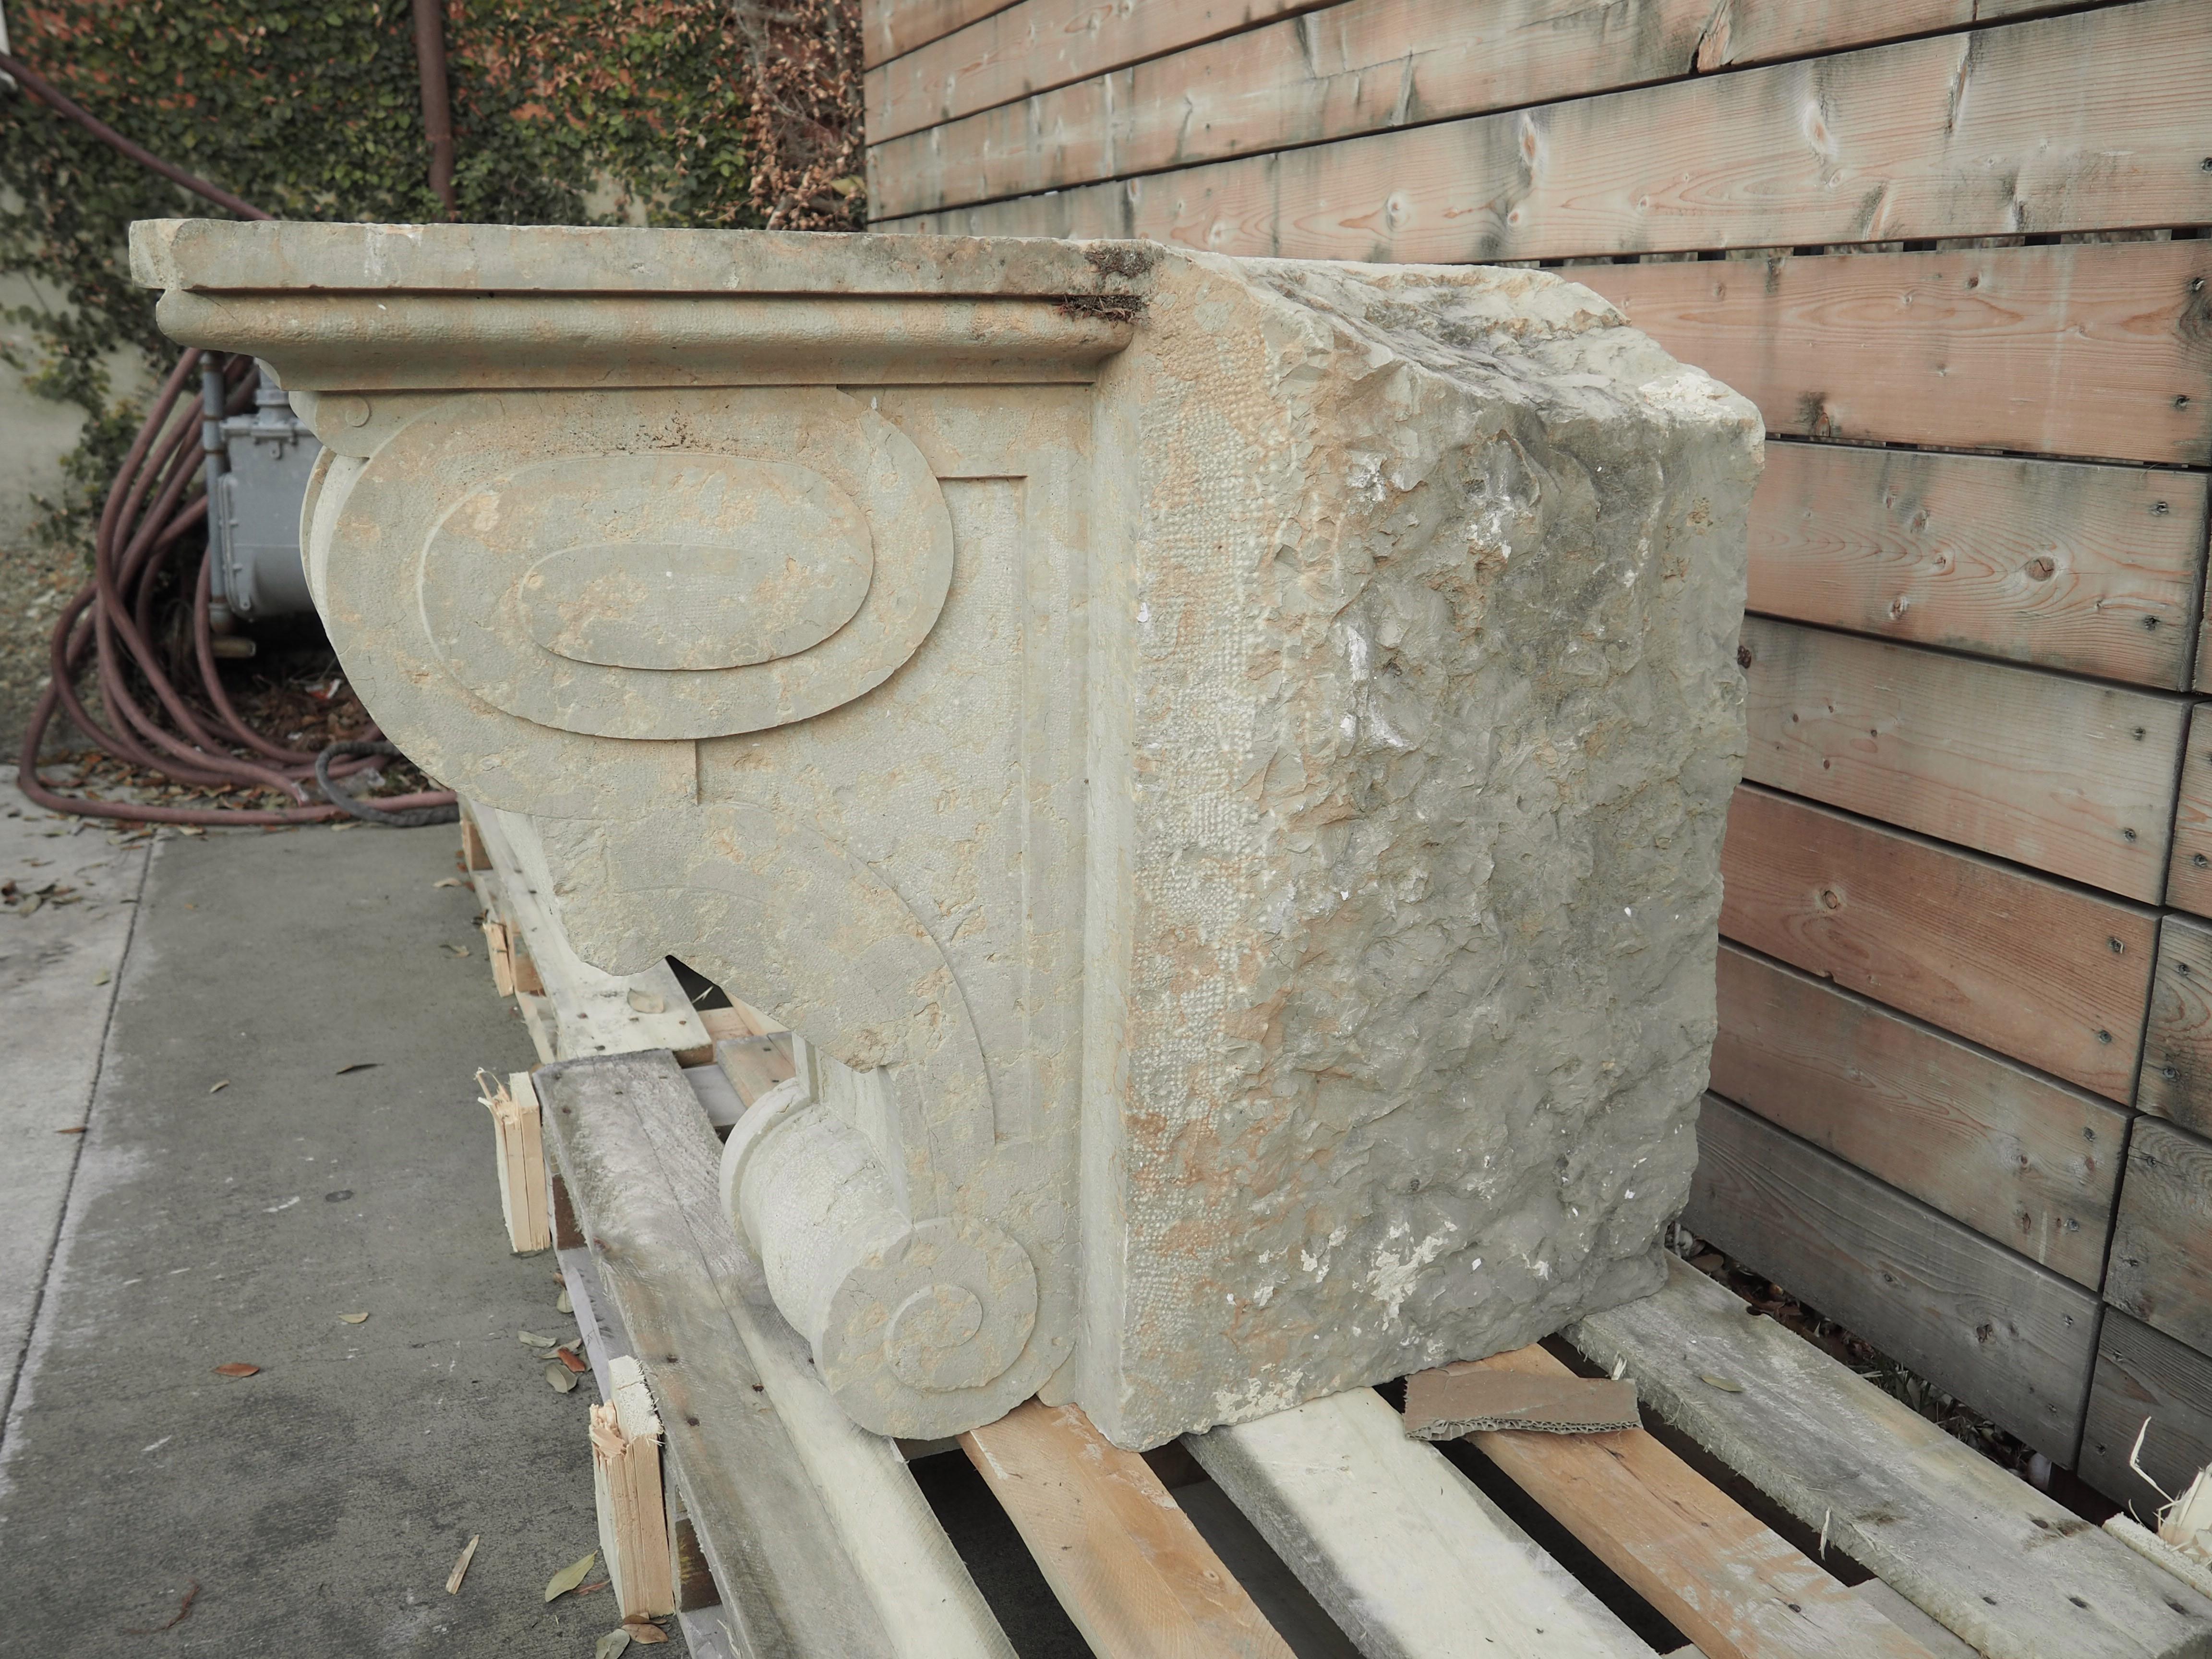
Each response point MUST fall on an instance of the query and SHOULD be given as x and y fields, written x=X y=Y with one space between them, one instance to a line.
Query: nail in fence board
x=1363 y=67
x=2095 y=349
x=2023 y=965
x=1988 y=1557
x=1731 y=1584
x=821 y=1547
x=2143 y=1374
x=2088 y=121
x=2018 y=1157
x=2091 y=568
x=2177 y=1064
x=1400 y=1547
x=2189 y=877
x=2162 y=1266
x=2060 y=775
x=2010 y=1339
x=1124 y=1560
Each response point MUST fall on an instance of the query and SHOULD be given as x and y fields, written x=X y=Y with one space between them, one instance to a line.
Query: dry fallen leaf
x=236 y=1368
x=220 y=1087
x=560 y=1377
x=611 y=1645
x=358 y=1065
x=569 y=1577
x=459 y=950
x=1720 y=1382
x=76 y=1129
x=567 y=1357
x=645 y=1002
x=354 y=1319
x=101 y=977
x=644 y=1631
x=563 y=1304
x=530 y=1340
x=450 y=881
x=461 y=1566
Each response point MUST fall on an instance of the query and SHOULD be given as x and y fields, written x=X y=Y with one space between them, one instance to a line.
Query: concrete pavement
x=319 y=1505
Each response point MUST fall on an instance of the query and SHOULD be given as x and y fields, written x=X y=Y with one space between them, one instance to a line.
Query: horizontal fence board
x=952 y=125
x=2018 y=1157
x=2143 y=1374
x=2189 y=877
x=2177 y=1063
x=2161 y=1271
x=1017 y=50
x=2065 y=776
x=2089 y=121
x=2011 y=961
x=892 y=28
x=2091 y=568
x=2099 y=348
x=2010 y=1339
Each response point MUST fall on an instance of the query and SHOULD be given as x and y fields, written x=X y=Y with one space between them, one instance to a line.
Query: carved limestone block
x=1221 y=762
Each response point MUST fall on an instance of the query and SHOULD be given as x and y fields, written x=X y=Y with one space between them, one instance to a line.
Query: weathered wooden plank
x=891 y=29
x=2011 y=1338
x=2161 y=1267
x=2099 y=348
x=814 y=1527
x=1364 y=66
x=594 y=1012
x=1397 y=1543
x=1020 y=50
x=1732 y=1585
x=2062 y=774
x=1988 y=1557
x=2007 y=959
x=2188 y=874
x=1124 y=1560
x=2087 y=121
x=2141 y=1373
x=2091 y=568
x=2018 y=1157
x=2177 y=1063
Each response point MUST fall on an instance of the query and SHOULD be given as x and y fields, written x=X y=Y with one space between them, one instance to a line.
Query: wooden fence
x=1955 y=250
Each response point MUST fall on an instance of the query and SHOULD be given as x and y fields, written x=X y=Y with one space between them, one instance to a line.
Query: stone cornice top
x=224 y=256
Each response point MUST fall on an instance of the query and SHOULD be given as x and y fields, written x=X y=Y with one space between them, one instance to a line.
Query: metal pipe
x=437 y=107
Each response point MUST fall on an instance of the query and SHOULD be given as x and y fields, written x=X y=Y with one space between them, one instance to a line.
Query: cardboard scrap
x=1470 y=1398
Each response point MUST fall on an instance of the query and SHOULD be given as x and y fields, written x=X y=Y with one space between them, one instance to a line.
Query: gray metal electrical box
x=253 y=521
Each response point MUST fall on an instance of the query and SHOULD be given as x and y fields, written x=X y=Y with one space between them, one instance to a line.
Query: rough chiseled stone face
x=1222 y=762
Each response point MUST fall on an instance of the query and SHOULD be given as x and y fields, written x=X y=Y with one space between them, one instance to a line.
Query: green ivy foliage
x=565 y=111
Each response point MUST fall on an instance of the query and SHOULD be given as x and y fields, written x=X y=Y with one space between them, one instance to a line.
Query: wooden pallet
x=794 y=1532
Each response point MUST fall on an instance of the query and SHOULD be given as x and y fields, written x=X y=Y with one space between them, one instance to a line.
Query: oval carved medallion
x=707 y=561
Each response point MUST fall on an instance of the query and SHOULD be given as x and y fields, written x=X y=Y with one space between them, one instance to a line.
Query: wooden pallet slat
x=2087 y=121
x=1726 y=1581
x=891 y=29
x=2014 y=1341
x=2177 y=1064
x=2091 y=349
x=2016 y=1574
x=2015 y=962
x=2020 y=1158
x=594 y=1012
x=2069 y=776
x=814 y=1527
x=1400 y=1547
x=2161 y=1263
x=2088 y=568
x=1123 y=1559
x=2143 y=1375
